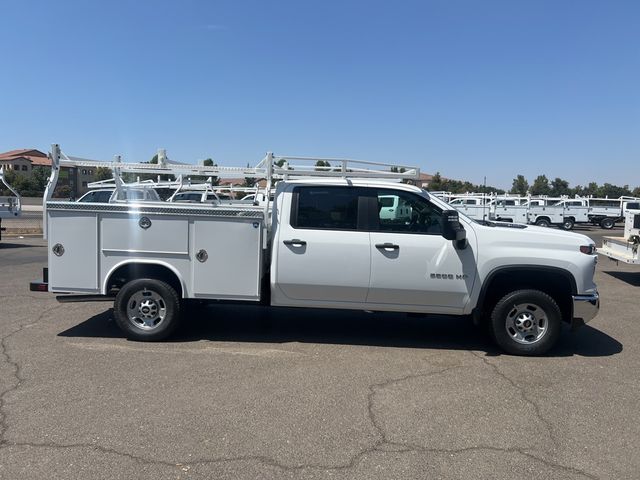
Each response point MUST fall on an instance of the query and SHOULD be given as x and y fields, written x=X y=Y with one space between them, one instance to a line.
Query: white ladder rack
x=271 y=168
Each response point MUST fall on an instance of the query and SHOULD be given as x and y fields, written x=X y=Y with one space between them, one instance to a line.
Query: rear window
x=134 y=194
x=102 y=197
x=327 y=208
x=193 y=197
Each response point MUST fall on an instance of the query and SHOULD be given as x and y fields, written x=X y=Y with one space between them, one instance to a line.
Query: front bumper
x=585 y=307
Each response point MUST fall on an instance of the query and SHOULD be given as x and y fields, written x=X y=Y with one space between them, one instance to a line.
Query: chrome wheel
x=526 y=323
x=146 y=309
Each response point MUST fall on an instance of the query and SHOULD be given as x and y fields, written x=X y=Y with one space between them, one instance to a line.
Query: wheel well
x=132 y=271
x=543 y=218
x=556 y=283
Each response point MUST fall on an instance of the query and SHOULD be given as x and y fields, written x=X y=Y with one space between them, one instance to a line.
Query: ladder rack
x=271 y=168
x=281 y=167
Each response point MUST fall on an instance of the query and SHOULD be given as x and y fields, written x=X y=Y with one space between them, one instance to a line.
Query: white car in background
x=194 y=196
x=110 y=195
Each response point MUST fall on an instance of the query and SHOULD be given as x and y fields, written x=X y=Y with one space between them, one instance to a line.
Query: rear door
x=412 y=264
x=323 y=251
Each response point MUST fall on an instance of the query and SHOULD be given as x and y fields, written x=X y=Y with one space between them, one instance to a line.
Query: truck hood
x=540 y=237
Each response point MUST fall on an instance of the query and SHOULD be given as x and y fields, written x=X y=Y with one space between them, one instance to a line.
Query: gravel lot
x=251 y=393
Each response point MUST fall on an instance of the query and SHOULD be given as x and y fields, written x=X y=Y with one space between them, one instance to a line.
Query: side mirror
x=451 y=227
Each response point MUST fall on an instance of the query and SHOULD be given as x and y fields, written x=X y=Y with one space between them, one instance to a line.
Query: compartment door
x=226 y=258
x=74 y=236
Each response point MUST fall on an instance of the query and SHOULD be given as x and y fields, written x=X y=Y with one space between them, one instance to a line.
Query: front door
x=412 y=264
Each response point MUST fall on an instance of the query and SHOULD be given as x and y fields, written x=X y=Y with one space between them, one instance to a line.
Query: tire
x=568 y=223
x=543 y=222
x=526 y=322
x=607 y=223
x=147 y=310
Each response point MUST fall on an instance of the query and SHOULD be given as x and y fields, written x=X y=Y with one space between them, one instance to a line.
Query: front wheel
x=607 y=223
x=147 y=309
x=526 y=322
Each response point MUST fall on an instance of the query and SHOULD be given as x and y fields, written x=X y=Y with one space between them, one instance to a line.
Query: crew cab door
x=322 y=251
x=412 y=264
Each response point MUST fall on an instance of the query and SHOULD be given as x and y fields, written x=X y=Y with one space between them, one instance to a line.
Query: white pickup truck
x=322 y=243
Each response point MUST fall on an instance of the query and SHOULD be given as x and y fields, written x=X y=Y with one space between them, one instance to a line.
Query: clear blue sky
x=468 y=88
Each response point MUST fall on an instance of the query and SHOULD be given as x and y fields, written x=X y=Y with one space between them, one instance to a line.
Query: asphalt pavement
x=245 y=392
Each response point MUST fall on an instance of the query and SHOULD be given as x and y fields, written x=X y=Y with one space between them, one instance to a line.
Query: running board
x=84 y=298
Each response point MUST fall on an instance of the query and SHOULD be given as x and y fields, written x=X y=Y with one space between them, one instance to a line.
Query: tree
x=154 y=159
x=208 y=162
x=103 y=173
x=559 y=187
x=62 y=191
x=323 y=163
x=40 y=177
x=436 y=182
x=32 y=185
x=613 y=191
x=540 y=186
x=249 y=181
x=592 y=189
x=520 y=185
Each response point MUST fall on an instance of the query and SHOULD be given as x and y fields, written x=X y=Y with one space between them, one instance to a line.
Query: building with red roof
x=23 y=161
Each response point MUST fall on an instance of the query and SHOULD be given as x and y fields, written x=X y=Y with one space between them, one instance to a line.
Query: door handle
x=385 y=246
x=295 y=242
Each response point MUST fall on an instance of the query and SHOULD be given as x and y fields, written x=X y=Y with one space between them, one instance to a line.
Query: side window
x=409 y=213
x=326 y=208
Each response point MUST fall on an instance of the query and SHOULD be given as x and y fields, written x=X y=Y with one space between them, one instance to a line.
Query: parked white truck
x=626 y=248
x=10 y=205
x=473 y=206
x=322 y=243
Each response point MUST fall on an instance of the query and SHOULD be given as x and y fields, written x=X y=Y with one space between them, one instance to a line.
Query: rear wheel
x=543 y=222
x=568 y=223
x=526 y=322
x=147 y=309
x=607 y=223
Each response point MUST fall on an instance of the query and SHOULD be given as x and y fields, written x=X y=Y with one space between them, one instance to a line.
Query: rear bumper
x=42 y=285
x=585 y=307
